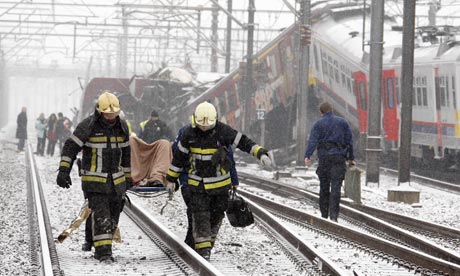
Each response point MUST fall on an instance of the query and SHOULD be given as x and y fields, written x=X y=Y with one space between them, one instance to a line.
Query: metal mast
x=302 y=93
x=374 y=137
x=407 y=80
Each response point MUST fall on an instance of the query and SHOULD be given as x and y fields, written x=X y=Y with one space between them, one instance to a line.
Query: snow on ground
x=247 y=247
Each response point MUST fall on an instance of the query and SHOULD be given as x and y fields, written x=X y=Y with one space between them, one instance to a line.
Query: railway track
x=163 y=253
x=358 y=220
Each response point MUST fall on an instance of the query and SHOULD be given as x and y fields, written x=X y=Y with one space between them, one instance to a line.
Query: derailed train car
x=162 y=91
x=339 y=73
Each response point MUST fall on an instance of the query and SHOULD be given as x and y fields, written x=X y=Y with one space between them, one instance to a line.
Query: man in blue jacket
x=331 y=136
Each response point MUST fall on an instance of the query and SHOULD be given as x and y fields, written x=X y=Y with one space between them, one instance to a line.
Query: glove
x=265 y=161
x=351 y=163
x=63 y=179
x=171 y=187
x=129 y=183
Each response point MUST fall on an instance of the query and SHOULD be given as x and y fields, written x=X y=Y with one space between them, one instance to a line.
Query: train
x=339 y=74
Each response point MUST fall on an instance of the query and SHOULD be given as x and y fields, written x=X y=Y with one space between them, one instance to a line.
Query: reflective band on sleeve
x=237 y=139
x=118 y=174
x=118 y=181
x=173 y=173
x=182 y=148
x=127 y=169
x=66 y=158
x=175 y=169
x=64 y=164
x=77 y=140
x=254 y=150
x=193 y=182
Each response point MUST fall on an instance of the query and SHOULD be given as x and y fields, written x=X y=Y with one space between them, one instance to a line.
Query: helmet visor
x=110 y=108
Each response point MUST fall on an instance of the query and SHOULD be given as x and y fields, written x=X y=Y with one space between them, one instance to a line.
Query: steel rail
x=308 y=252
x=418 y=258
x=48 y=257
x=393 y=231
x=191 y=258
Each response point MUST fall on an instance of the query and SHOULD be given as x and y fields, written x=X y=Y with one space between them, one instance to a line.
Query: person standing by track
x=332 y=138
x=21 y=131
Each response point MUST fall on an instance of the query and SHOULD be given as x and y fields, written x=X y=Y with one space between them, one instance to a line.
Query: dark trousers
x=41 y=146
x=208 y=211
x=331 y=172
x=186 y=192
x=21 y=143
x=50 y=148
x=105 y=214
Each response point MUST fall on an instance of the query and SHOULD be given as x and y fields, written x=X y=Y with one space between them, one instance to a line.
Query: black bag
x=238 y=212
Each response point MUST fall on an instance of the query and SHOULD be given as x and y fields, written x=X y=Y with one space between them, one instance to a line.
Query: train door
x=390 y=105
x=360 y=80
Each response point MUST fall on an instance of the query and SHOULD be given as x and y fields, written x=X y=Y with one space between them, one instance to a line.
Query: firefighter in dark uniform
x=105 y=169
x=154 y=129
x=332 y=138
x=208 y=180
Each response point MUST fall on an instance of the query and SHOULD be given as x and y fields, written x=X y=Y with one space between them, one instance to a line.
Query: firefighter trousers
x=105 y=213
x=208 y=212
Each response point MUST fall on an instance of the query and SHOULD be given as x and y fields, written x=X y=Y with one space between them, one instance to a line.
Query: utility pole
x=374 y=148
x=123 y=47
x=407 y=81
x=228 y=47
x=303 y=75
x=214 y=36
x=248 y=79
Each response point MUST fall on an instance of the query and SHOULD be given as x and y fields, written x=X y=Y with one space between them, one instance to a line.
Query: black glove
x=63 y=179
x=129 y=183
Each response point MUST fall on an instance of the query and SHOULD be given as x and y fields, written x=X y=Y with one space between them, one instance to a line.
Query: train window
x=362 y=95
x=414 y=98
x=454 y=97
x=349 y=85
x=443 y=92
x=398 y=90
x=324 y=64
x=336 y=70
x=315 y=52
x=419 y=96
x=390 y=93
x=425 y=96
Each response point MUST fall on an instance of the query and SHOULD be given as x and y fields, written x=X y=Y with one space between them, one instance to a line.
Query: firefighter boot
x=205 y=253
x=87 y=246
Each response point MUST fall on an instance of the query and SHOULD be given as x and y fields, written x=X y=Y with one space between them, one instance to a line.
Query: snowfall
x=254 y=254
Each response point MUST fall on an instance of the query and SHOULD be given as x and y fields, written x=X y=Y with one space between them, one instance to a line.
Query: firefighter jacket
x=154 y=130
x=105 y=153
x=198 y=147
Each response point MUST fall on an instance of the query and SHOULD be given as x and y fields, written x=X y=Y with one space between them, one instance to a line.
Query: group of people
x=55 y=129
x=202 y=165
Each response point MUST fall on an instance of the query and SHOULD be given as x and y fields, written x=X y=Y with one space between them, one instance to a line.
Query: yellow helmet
x=108 y=103
x=205 y=114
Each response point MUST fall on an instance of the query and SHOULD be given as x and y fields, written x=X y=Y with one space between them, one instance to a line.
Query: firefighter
x=209 y=173
x=103 y=139
x=186 y=189
x=154 y=129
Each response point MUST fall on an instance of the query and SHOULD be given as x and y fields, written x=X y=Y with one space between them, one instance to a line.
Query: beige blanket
x=149 y=162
